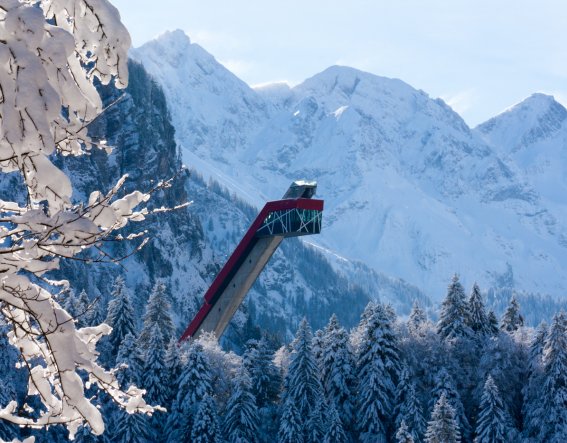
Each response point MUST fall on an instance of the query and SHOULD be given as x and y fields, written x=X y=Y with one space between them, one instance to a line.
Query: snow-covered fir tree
x=338 y=370
x=158 y=312
x=334 y=432
x=302 y=385
x=553 y=419
x=453 y=318
x=130 y=428
x=154 y=381
x=316 y=422
x=241 y=418
x=493 y=423
x=512 y=319
x=265 y=376
x=477 y=317
x=443 y=428
x=83 y=309
x=403 y=435
x=410 y=411
x=493 y=323
x=120 y=317
x=317 y=346
x=377 y=372
x=291 y=425
x=173 y=367
x=417 y=320
x=206 y=426
x=154 y=368
x=532 y=391
x=129 y=362
x=445 y=387
x=193 y=385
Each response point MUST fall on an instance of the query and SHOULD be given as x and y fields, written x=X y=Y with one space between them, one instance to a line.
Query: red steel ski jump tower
x=294 y=215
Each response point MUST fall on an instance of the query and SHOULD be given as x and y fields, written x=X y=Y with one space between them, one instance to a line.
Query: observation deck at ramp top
x=294 y=215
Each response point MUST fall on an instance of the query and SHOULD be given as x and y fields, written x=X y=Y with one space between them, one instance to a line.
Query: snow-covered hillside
x=410 y=190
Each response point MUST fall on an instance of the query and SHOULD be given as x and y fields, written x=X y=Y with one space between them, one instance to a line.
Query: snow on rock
x=410 y=189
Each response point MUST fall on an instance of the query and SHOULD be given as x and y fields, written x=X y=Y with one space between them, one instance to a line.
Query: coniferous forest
x=467 y=377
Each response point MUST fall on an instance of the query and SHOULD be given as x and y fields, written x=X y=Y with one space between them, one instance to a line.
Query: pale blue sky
x=481 y=56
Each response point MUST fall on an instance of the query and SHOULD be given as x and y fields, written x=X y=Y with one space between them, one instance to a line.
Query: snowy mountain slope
x=410 y=190
x=533 y=134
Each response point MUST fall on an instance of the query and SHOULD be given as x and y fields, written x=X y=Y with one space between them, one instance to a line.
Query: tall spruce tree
x=493 y=424
x=512 y=319
x=477 y=318
x=206 y=427
x=335 y=432
x=338 y=370
x=193 y=385
x=129 y=361
x=445 y=386
x=403 y=435
x=453 y=319
x=265 y=376
x=443 y=428
x=410 y=411
x=158 y=312
x=532 y=391
x=241 y=419
x=291 y=424
x=302 y=384
x=417 y=320
x=173 y=367
x=493 y=323
x=130 y=428
x=120 y=316
x=377 y=372
x=553 y=420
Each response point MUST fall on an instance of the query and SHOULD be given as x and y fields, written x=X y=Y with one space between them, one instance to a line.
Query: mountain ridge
x=410 y=189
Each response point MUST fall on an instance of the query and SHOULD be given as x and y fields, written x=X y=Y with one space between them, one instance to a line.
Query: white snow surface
x=409 y=188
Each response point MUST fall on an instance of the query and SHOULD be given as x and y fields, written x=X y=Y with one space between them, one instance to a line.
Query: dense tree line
x=467 y=377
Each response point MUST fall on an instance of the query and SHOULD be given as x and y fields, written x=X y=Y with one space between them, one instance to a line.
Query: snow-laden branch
x=51 y=51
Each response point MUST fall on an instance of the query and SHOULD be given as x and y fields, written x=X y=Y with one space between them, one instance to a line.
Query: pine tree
x=315 y=424
x=378 y=368
x=173 y=368
x=193 y=385
x=130 y=362
x=158 y=312
x=417 y=319
x=206 y=427
x=493 y=424
x=553 y=420
x=443 y=427
x=493 y=324
x=477 y=318
x=154 y=369
x=291 y=427
x=445 y=386
x=83 y=309
x=335 y=432
x=265 y=377
x=120 y=316
x=403 y=435
x=532 y=407
x=302 y=384
x=241 y=419
x=411 y=412
x=512 y=319
x=337 y=370
x=130 y=428
x=317 y=346
x=453 y=318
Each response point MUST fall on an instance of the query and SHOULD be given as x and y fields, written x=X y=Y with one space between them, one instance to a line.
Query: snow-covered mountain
x=410 y=189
